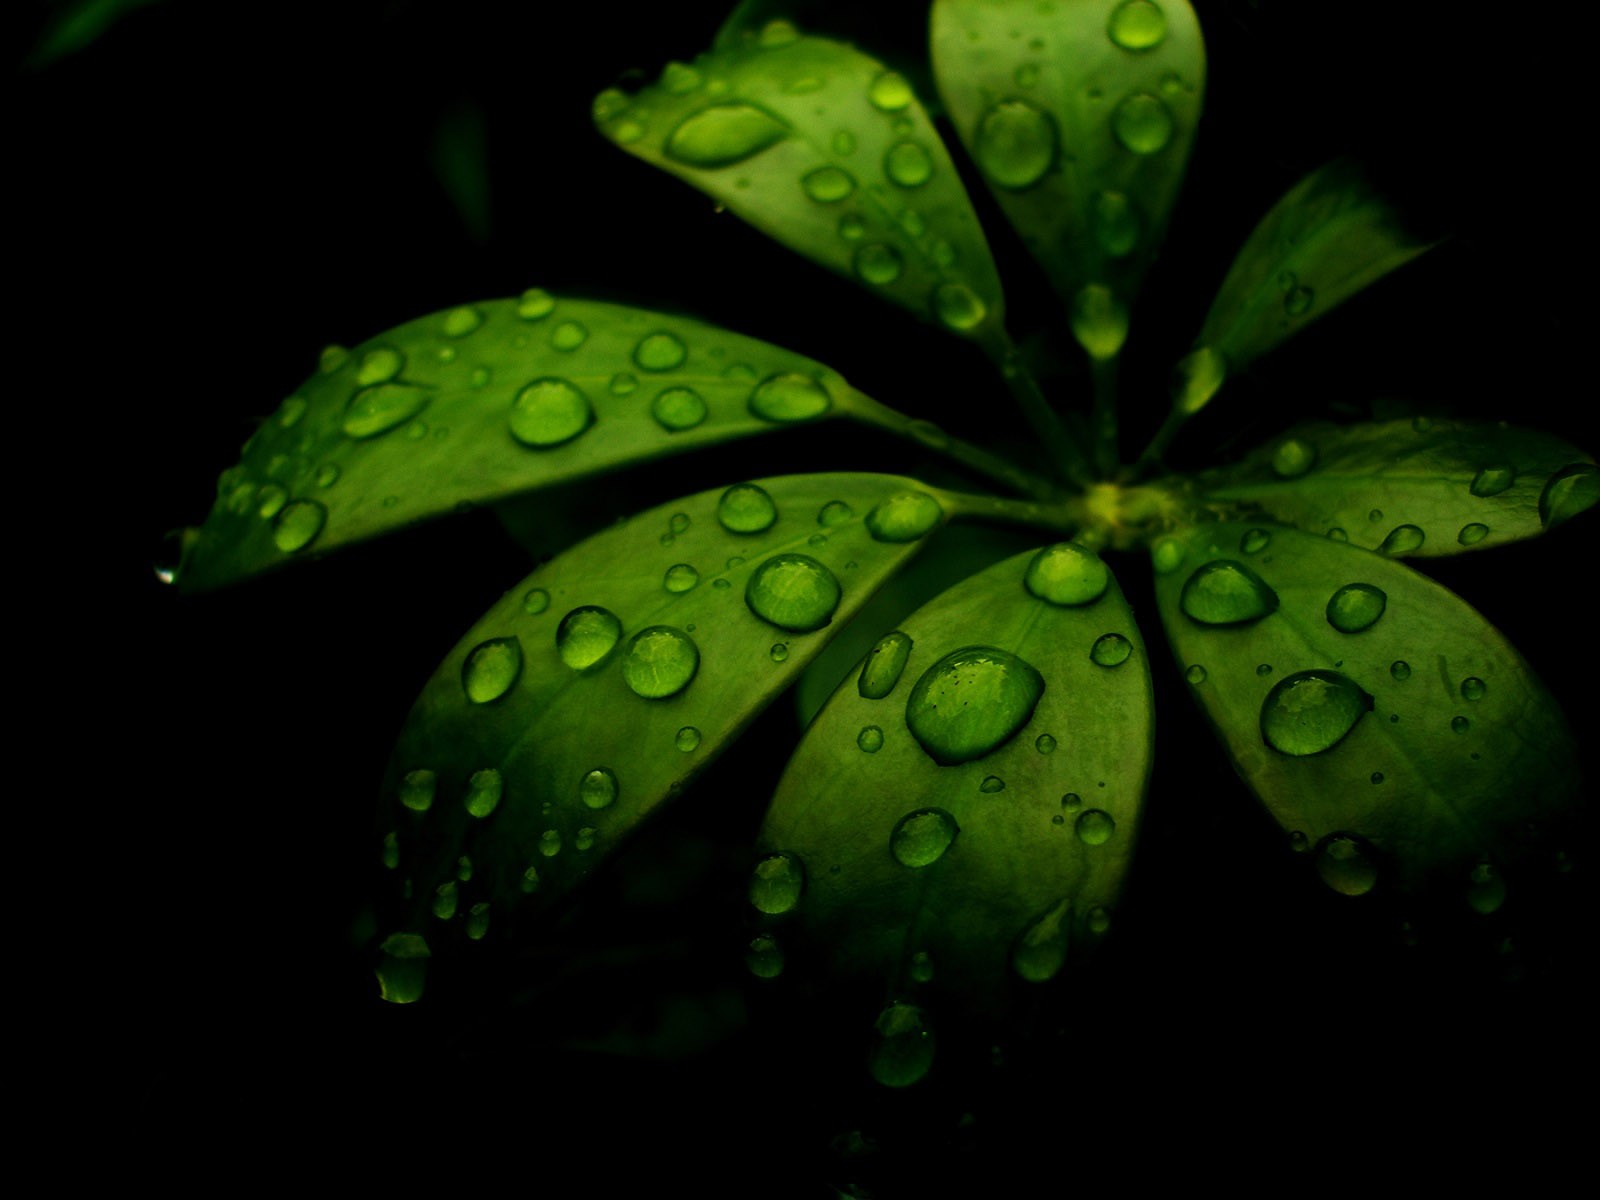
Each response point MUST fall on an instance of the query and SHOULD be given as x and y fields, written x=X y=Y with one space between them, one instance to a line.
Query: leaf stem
x=1104 y=374
x=1157 y=449
x=1065 y=456
x=1060 y=517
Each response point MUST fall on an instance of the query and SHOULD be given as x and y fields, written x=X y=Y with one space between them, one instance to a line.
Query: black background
x=211 y=192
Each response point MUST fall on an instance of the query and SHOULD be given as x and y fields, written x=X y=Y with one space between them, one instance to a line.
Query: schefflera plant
x=959 y=817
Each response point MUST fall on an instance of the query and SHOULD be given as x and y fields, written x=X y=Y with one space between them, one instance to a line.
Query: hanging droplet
x=794 y=592
x=586 y=635
x=1137 y=25
x=1347 y=863
x=920 y=838
x=418 y=788
x=1142 y=123
x=883 y=666
x=660 y=662
x=870 y=739
x=549 y=412
x=1067 y=575
x=971 y=702
x=746 y=508
x=776 y=884
x=1356 y=607
x=297 y=525
x=1225 y=592
x=1041 y=951
x=789 y=396
x=659 y=352
x=377 y=410
x=1402 y=539
x=723 y=135
x=1310 y=712
x=491 y=668
x=484 y=790
x=678 y=408
x=1015 y=145
x=1110 y=650
x=1293 y=457
x=904 y=517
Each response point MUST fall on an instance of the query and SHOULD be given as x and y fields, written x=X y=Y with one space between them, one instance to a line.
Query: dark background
x=211 y=192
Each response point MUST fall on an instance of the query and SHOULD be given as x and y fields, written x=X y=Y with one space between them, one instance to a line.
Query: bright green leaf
x=1386 y=726
x=605 y=681
x=1460 y=485
x=828 y=151
x=982 y=810
x=1080 y=115
x=477 y=403
x=1330 y=236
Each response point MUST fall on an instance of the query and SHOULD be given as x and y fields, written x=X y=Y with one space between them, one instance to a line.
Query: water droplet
x=659 y=352
x=1311 y=711
x=680 y=78
x=491 y=668
x=1486 y=890
x=746 y=508
x=1293 y=458
x=851 y=228
x=992 y=784
x=776 y=884
x=1099 y=321
x=870 y=739
x=764 y=957
x=1115 y=223
x=793 y=592
x=1094 y=827
x=1196 y=674
x=1355 y=607
x=921 y=838
x=1460 y=724
x=1264 y=669
x=484 y=790
x=828 y=185
x=789 y=396
x=660 y=662
x=1044 y=744
x=1400 y=669
x=535 y=601
x=1197 y=378
x=445 y=898
x=1402 y=539
x=1347 y=863
x=403 y=967
x=598 y=788
x=1491 y=481
x=1225 y=592
x=1137 y=25
x=1569 y=492
x=459 y=322
x=1142 y=123
x=1473 y=688
x=678 y=409
x=1067 y=575
x=378 y=365
x=921 y=967
x=1338 y=535
x=883 y=666
x=1472 y=534
x=327 y=475
x=971 y=702
x=1110 y=650
x=959 y=307
x=1041 y=951
x=904 y=517
x=535 y=304
x=723 y=135
x=549 y=412
x=298 y=525
x=907 y=165
x=417 y=789
x=687 y=739
x=779 y=652
x=1167 y=555
x=624 y=383
x=332 y=358
x=833 y=513
x=585 y=838
x=1016 y=144
x=889 y=92
x=568 y=336
x=777 y=33
x=878 y=264
x=550 y=843
x=903 y=1046
x=376 y=410
x=586 y=635
x=680 y=578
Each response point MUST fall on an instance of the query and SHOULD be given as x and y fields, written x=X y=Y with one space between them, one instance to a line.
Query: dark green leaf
x=1460 y=485
x=1331 y=235
x=485 y=401
x=1046 y=819
x=826 y=150
x=461 y=161
x=610 y=677
x=1385 y=724
x=1080 y=116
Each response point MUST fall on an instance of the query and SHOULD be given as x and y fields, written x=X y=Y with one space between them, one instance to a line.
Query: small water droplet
x=445 y=898
x=379 y=365
x=1347 y=863
x=1264 y=669
x=992 y=784
x=1197 y=378
x=1041 y=951
x=327 y=475
x=1225 y=592
x=1115 y=222
x=1310 y=712
x=1167 y=555
x=878 y=264
x=1196 y=674
x=535 y=304
x=1142 y=123
x=1293 y=457
x=921 y=967
x=1356 y=607
x=870 y=739
x=764 y=956
x=1044 y=744
x=904 y=517
x=1473 y=688
x=1460 y=724
x=1067 y=575
x=1255 y=541
x=779 y=652
x=680 y=78
x=971 y=702
x=907 y=165
x=1110 y=650
x=1094 y=827
x=377 y=410
x=903 y=1046
x=828 y=185
x=889 y=92
x=1492 y=480
x=491 y=668
x=678 y=408
x=586 y=635
x=883 y=666
x=789 y=396
x=1016 y=144
x=920 y=838
x=550 y=843
x=1137 y=25
x=598 y=788
x=776 y=884
x=297 y=525
x=418 y=788
x=680 y=578
x=459 y=322
x=833 y=513
x=659 y=352
x=723 y=135
x=585 y=838
x=687 y=739
x=746 y=508
x=332 y=358
x=1400 y=669
x=1402 y=539
x=1298 y=302
x=568 y=336
x=1472 y=534
x=959 y=307
x=1337 y=535
x=794 y=592
x=851 y=228
x=484 y=790
x=535 y=601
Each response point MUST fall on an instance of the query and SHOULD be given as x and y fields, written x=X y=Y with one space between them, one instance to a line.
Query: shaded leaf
x=1460 y=485
x=461 y=161
x=605 y=681
x=78 y=24
x=1385 y=724
x=1080 y=116
x=485 y=401
x=1330 y=236
x=823 y=148
x=1043 y=824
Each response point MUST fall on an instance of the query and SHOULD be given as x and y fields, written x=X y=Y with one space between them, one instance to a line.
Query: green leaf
x=1043 y=822
x=1080 y=116
x=605 y=681
x=1330 y=236
x=485 y=401
x=823 y=148
x=1385 y=725
x=1459 y=485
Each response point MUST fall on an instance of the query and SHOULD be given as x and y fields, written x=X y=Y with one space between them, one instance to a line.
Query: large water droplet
x=298 y=525
x=491 y=668
x=586 y=635
x=746 y=508
x=793 y=592
x=1099 y=321
x=1402 y=539
x=904 y=517
x=959 y=307
x=1293 y=457
x=484 y=790
x=598 y=788
x=680 y=578
x=1569 y=492
x=1110 y=650
x=659 y=352
x=1226 y=593
x=1142 y=123
x=1016 y=144
x=1137 y=25
x=883 y=666
x=776 y=884
x=789 y=396
x=379 y=365
x=972 y=701
x=1067 y=574
x=921 y=838
x=1356 y=606
x=660 y=662
x=1311 y=711
x=1041 y=951
x=378 y=409
x=1197 y=378
x=828 y=185
x=678 y=408
x=403 y=967
x=1492 y=480
x=418 y=788
x=549 y=412
x=1347 y=863
x=724 y=134
x=903 y=1046
x=878 y=264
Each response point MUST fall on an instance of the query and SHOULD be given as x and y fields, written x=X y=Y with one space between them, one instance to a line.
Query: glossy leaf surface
x=1080 y=116
x=1459 y=485
x=825 y=149
x=605 y=681
x=1327 y=238
x=485 y=401
x=1388 y=728
x=1045 y=821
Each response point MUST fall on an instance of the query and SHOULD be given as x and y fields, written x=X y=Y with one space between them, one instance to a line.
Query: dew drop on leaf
x=878 y=264
x=1293 y=458
x=889 y=92
x=794 y=592
x=920 y=838
x=1347 y=863
x=403 y=967
x=379 y=365
x=687 y=739
x=270 y=500
x=903 y=1046
x=1142 y=123
x=904 y=517
x=1016 y=144
x=746 y=508
x=445 y=898
x=678 y=408
x=870 y=739
x=834 y=512
x=491 y=668
x=660 y=662
x=992 y=784
x=297 y=525
x=789 y=396
x=959 y=307
x=1298 y=302
x=1473 y=688
x=1044 y=744
x=1137 y=25
x=586 y=635
x=568 y=336
x=459 y=322
x=1472 y=534
x=971 y=702
x=1110 y=650
x=907 y=165
x=1196 y=674
x=1041 y=951
x=1569 y=492
x=763 y=957
x=680 y=578
x=535 y=304
x=1226 y=593
x=828 y=185
x=776 y=884
x=884 y=665
x=1402 y=539
x=478 y=922
x=535 y=601
x=1067 y=575
x=723 y=135
x=1094 y=827
x=659 y=352
x=598 y=788
x=1310 y=712
x=1356 y=607
x=1115 y=222
x=550 y=843
x=1486 y=889
x=1255 y=541
x=327 y=475
x=779 y=652
x=1099 y=321
x=484 y=790
x=549 y=412
x=377 y=410
x=417 y=789
x=1492 y=480
x=1460 y=724
x=1167 y=555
